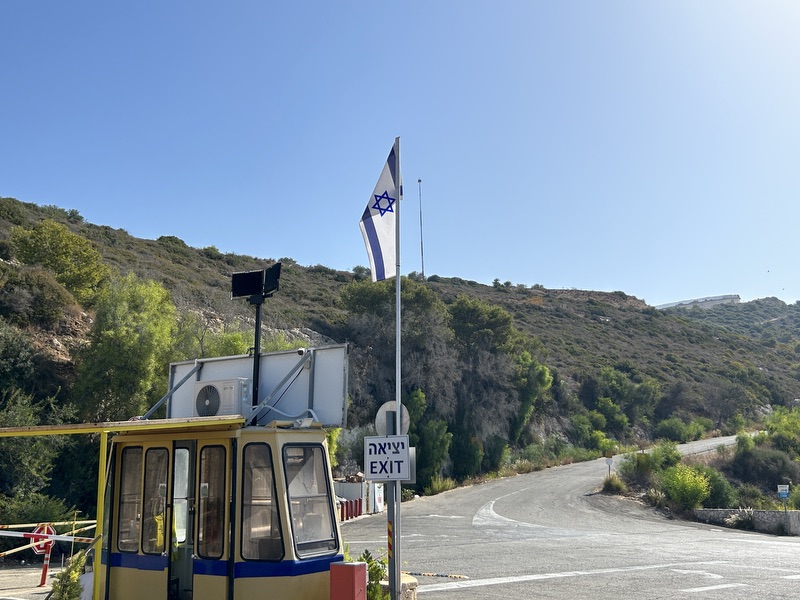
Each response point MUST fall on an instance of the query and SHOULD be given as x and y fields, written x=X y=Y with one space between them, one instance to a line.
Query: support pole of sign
x=392 y=486
x=786 y=516
x=395 y=585
x=48 y=545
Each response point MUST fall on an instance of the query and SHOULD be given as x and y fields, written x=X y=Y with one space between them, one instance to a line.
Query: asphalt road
x=550 y=535
x=22 y=582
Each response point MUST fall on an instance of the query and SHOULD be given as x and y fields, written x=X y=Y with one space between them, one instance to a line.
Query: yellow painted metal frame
x=117 y=427
x=314 y=585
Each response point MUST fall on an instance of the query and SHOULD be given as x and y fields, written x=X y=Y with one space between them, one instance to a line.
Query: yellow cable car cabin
x=221 y=501
x=213 y=509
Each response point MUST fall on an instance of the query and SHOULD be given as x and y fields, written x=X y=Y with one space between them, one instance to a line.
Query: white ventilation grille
x=226 y=397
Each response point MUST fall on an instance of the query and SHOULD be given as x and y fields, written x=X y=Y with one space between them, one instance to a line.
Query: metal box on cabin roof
x=292 y=384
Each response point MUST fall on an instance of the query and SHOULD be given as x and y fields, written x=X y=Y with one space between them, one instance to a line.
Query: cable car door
x=138 y=561
x=211 y=520
x=182 y=548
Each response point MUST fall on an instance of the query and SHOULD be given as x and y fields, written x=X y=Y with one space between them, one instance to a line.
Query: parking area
x=22 y=582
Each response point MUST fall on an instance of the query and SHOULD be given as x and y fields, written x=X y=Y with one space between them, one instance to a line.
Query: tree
x=477 y=323
x=432 y=451
x=428 y=360
x=429 y=436
x=726 y=399
x=466 y=453
x=783 y=427
x=72 y=258
x=31 y=295
x=27 y=461
x=128 y=353
x=16 y=358
x=532 y=379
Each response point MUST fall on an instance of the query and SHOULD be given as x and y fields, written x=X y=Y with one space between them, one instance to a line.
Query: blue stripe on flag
x=392 y=162
x=374 y=246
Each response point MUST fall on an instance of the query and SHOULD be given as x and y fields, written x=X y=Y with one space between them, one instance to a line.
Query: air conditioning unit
x=224 y=397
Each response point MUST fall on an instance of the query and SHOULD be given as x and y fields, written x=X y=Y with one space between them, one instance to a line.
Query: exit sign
x=386 y=458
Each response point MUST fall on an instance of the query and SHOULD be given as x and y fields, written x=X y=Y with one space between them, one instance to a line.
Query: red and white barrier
x=43 y=538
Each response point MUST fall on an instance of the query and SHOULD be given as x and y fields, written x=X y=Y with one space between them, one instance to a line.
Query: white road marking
x=711 y=588
x=486 y=517
x=703 y=573
x=746 y=540
x=472 y=583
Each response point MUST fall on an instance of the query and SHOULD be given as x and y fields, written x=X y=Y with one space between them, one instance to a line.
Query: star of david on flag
x=379 y=221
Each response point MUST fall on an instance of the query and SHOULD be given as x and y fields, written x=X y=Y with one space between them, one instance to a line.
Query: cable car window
x=262 y=538
x=310 y=500
x=130 y=500
x=211 y=502
x=156 y=466
x=180 y=497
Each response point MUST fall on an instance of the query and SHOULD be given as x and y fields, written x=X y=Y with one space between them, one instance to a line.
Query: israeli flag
x=379 y=221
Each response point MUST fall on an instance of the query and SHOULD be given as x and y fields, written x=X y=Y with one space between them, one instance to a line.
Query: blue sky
x=646 y=147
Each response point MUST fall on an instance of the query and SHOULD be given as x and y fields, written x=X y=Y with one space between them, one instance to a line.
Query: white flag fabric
x=380 y=219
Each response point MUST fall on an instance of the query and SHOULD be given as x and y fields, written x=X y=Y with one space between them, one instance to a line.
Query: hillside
x=580 y=331
x=490 y=372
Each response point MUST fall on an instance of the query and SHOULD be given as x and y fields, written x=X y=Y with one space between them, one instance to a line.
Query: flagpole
x=398 y=387
x=421 y=239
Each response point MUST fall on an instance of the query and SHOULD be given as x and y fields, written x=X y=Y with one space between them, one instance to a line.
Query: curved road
x=550 y=535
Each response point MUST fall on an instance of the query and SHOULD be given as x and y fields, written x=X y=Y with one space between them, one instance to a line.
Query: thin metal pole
x=421 y=243
x=398 y=371
x=258 y=301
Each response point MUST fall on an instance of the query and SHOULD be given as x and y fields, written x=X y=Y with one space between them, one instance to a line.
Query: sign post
x=386 y=457
x=783 y=494
x=44 y=547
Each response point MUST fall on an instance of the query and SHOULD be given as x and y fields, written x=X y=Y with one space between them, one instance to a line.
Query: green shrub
x=696 y=429
x=523 y=465
x=538 y=455
x=761 y=438
x=744 y=442
x=665 y=455
x=685 y=486
x=794 y=497
x=439 y=485
x=613 y=484
x=73 y=259
x=673 y=429
x=496 y=454
x=764 y=467
x=656 y=497
x=467 y=455
x=742 y=519
x=749 y=496
x=67 y=585
x=599 y=441
x=734 y=424
x=17 y=356
x=377 y=569
x=721 y=492
x=31 y=295
x=636 y=468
